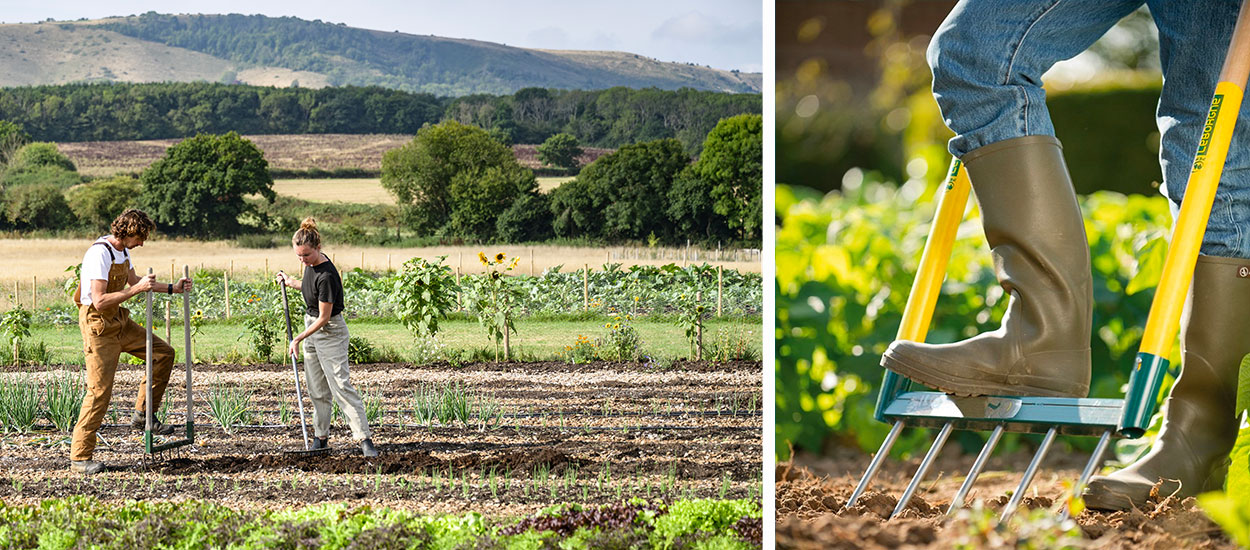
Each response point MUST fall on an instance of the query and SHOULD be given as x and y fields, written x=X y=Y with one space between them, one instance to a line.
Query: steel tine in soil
x=977 y=466
x=875 y=464
x=1028 y=475
x=938 y=443
x=148 y=413
x=1087 y=472
x=299 y=399
x=188 y=357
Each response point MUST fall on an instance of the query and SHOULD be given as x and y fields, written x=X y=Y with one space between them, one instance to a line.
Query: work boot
x=1036 y=235
x=366 y=447
x=1190 y=455
x=86 y=467
x=320 y=443
x=136 y=422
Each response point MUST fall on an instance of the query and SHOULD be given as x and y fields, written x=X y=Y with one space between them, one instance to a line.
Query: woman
x=325 y=341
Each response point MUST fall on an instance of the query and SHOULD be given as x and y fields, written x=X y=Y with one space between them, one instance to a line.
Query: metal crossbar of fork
x=1107 y=418
x=148 y=447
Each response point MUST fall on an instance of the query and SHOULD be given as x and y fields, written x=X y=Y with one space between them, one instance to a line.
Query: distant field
x=547 y=184
x=362 y=190
x=284 y=152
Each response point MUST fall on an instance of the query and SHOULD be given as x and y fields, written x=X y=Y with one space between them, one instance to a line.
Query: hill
x=286 y=51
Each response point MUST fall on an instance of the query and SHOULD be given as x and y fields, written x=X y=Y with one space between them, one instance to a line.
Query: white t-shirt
x=96 y=265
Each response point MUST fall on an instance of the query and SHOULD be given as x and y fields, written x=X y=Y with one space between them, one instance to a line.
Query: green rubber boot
x=1036 y=234
x=1190 y=456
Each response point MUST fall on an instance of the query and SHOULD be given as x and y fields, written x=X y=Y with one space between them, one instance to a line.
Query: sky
x=725 y=34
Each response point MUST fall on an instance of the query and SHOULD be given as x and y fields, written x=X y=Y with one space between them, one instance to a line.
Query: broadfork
x=149 y=448
x=299 y=398
x=1106 y=418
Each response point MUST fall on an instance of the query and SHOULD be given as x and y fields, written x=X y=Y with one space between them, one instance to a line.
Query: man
x=107 y=280
x=988 y=59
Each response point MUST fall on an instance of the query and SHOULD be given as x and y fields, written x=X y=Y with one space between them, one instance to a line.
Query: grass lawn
x=533 y=338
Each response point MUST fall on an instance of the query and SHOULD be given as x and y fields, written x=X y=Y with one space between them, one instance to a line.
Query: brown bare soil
x=593 y=434
x=811 y=493
x=282 y=151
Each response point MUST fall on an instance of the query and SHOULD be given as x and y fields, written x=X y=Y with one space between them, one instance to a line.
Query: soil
x=592 y=434
x=811 y=492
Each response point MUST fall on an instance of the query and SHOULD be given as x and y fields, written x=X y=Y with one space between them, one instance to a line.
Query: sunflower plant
x=423 y=290
x=493 y=295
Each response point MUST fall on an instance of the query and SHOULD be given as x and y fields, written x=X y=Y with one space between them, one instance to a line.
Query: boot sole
x=961 y=386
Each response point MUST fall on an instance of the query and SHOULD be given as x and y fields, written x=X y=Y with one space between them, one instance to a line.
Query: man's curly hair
x=133 y=223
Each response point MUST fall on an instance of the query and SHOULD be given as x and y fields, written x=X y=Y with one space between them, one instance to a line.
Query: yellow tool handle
x=936 y=255
x=1191 y=222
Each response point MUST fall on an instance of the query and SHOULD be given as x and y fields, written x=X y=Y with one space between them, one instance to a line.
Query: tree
x=732 y=163
x=630 y=188
x=12 y=138
x=445 y=165
x=573 y=210
x=38 y=155
x=98 y=203
x=527 y=220
x=479 y=197
x=560 y=150
x=692 y=209
x=37 y=206
x=197 y=188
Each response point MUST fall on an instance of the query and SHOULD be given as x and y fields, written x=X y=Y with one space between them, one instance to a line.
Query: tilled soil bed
x=592 y=434
x=812 y=491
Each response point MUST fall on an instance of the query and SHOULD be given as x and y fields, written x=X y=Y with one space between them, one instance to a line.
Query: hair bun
x=309 y=224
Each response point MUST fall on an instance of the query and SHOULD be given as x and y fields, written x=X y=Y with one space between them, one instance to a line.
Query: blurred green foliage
x=845 y=264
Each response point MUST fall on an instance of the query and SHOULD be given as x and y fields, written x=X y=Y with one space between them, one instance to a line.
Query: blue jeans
x=988 y=58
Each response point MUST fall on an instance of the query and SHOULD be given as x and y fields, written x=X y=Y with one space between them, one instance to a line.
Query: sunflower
x=500 y=257
x=482 y=256
x=515 y=261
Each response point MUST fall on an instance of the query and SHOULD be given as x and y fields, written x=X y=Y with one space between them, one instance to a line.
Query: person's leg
x=1190 y=454
x=1193 y=41
x=134 y=341
x=332 y=341
x=316 y=384
x=101 y=353
x=988 y=58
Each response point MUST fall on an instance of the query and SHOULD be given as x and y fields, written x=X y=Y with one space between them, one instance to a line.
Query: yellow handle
x=936 y=255
x=1191 y=222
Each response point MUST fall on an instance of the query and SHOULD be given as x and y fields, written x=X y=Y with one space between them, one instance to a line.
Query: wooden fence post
x=698 y=299
x=167 y=322
x=507 y=345
x=225 y=278
x=720 y=289
x=585 y=287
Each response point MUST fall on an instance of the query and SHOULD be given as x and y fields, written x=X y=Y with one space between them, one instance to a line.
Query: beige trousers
x=327 y=376
x=104 y=340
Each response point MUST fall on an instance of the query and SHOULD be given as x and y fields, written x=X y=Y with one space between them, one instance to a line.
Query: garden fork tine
x=1087 y=472
x=938 y=443
x=975 y=472
x=874 y=465
x=1028 y=475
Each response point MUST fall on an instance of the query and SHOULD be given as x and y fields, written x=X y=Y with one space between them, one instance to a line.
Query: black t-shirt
x=322 y=284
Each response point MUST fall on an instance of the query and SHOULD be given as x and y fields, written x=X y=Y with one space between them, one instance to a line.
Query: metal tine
x=977 y=466
x=1028 y=475
x=938 y=443
x=875 y=464
x=1088 y=471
